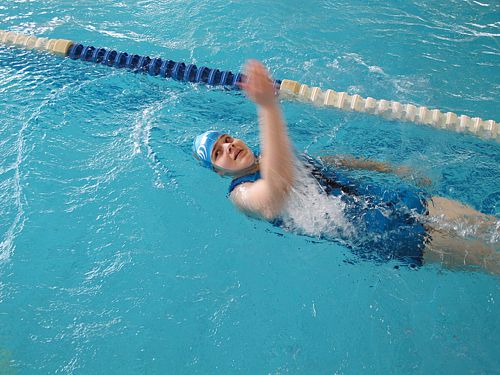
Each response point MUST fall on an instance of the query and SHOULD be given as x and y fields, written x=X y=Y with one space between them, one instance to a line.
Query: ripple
x=107 y=209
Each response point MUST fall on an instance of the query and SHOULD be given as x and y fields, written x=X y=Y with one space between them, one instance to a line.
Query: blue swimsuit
x=387 y=220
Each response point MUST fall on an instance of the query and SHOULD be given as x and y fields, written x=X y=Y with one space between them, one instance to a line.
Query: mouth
x=237 y=154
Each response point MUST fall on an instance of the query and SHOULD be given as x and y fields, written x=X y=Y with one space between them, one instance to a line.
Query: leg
x=451 y=226
x=460 y=253
x=465 y=221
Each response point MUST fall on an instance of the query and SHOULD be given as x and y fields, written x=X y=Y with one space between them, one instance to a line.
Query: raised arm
x=267 y=196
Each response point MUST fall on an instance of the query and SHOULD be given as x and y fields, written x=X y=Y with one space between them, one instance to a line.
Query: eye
x=228 y=139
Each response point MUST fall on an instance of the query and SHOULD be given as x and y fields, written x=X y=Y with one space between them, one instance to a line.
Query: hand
x=258 y=85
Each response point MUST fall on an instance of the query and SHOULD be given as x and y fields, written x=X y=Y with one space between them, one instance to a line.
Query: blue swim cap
x=203 y=145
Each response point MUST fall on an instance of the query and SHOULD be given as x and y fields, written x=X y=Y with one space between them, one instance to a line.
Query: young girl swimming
x=310 y=197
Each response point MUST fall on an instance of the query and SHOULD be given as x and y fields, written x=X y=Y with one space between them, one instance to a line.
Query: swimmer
x=406 y=225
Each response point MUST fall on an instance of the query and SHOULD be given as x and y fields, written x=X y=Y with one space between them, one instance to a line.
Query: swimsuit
x=386 y=221
x=241 y=180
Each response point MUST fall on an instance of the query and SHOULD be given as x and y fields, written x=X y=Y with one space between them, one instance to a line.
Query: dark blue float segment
x=166 y=68
x=75 y=51
x=87 y=53
x=223 y=77
x=109 y=58
x=156 y=66
x=201 y=74
x=121 y=60
x=213 y=77
x=189 y=73
x=143 y=64
x=237 y=79
x=178 y=71
x=98 y=55
x=132 y=61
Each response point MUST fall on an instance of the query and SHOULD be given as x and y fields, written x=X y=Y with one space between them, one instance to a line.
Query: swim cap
x=203 y=145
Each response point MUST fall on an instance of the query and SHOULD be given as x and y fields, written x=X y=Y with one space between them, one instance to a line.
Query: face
x=231 y=154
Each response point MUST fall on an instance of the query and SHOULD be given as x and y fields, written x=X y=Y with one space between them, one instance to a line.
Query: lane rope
x=289 y=89
x=488 y=129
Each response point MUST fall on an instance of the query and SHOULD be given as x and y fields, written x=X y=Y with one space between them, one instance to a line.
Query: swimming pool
x=119 y=254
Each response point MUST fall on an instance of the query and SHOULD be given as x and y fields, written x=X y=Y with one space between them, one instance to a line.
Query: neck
x=250 y=170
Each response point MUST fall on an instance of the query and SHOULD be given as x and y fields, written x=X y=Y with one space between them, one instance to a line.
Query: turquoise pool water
x=120 y=255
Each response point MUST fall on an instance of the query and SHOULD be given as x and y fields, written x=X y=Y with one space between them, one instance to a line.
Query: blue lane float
x=158 y=67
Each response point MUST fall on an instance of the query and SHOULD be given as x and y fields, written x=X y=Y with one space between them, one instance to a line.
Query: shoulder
x=252 y=198
x=243 y=180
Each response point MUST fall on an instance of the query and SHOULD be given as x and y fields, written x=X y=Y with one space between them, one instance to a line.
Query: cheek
x=249 y=159
x=225 y=163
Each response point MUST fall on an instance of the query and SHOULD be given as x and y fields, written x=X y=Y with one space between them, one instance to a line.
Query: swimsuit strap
x=241 y=180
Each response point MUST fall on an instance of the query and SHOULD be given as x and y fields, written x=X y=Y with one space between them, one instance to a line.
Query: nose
x=228 y=147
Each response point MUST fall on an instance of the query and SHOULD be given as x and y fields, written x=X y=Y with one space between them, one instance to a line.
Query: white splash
x=310 y=211
x=141 y=137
